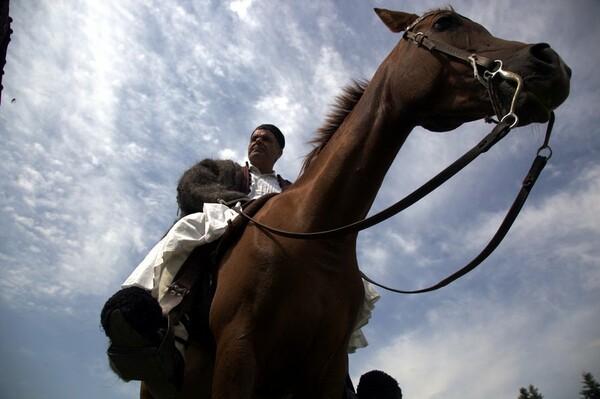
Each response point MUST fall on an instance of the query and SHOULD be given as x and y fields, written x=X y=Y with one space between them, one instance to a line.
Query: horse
x=284 y=308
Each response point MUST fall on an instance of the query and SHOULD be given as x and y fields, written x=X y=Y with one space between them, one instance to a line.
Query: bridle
x=492 y=71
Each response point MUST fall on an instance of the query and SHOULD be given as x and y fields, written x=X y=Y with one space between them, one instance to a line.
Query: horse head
x=443 y=47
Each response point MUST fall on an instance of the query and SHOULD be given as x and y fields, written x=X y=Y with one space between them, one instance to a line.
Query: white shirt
x=262 y=184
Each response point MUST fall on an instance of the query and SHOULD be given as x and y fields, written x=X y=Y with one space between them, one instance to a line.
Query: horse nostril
x=543 y=52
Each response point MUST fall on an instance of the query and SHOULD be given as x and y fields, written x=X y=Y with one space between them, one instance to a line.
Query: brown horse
x=284 y=308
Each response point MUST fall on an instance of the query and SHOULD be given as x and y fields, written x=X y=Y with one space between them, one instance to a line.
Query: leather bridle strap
x=499 y=132
x=528 y=183
x=433 y=45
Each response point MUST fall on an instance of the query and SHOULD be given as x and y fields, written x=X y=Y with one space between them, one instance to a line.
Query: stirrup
x=160 y=367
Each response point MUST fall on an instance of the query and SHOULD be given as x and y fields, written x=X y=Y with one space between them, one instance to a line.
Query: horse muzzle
x=546 y=84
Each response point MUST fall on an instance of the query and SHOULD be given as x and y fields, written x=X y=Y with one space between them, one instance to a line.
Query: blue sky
x=114 y=100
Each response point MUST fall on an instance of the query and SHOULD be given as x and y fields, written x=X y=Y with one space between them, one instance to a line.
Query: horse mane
x=343 y=105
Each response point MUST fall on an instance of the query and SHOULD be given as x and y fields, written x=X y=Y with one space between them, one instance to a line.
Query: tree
x=591 y=389
x=530 y=393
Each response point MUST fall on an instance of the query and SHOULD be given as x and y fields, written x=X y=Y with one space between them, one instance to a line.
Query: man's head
x=378 y=385
x=265 y=147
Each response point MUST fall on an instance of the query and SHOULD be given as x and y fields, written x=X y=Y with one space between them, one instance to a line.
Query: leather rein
x=492 y=70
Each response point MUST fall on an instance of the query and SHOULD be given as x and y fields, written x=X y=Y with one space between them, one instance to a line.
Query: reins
x=492 y=69
x=534 y=171
x=499 y=132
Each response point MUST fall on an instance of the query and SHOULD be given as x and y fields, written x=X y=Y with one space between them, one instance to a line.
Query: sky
x=106 y=103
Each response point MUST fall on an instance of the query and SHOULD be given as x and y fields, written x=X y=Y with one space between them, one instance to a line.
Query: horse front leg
x=197 y=381
x=199 y=370
x=235 y=365
x=145 y=392
x=329 y=383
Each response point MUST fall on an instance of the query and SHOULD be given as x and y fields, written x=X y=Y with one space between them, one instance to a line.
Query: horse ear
x=395 y=20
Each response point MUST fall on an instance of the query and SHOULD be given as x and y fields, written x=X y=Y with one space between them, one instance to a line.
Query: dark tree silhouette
x=530 y=393
x=5 y=32
x=591 y=389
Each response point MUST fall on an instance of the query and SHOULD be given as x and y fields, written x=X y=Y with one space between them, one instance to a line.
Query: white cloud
x=240 y=7
x=475 y=347
x=228 y=153
x=568 y=219
x=329 y=73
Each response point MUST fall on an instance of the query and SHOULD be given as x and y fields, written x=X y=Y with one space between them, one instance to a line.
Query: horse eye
x=443 y=23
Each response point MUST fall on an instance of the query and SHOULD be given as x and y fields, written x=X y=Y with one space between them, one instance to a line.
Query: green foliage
x=591 y=389
x=530 y=393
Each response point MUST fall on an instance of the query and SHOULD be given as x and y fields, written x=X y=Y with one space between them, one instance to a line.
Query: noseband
x=492 y=71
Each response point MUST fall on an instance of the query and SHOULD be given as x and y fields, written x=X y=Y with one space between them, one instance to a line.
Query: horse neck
x=340 y=186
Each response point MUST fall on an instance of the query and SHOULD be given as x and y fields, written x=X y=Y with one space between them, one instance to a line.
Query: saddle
x=193 y=288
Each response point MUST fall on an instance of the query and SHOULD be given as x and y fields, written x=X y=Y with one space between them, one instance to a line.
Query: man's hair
x=378 y=385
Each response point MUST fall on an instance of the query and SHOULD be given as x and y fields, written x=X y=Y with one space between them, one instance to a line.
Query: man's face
x=263 y=150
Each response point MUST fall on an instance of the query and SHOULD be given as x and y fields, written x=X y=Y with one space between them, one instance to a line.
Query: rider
x=132 y=318
x=203 y=195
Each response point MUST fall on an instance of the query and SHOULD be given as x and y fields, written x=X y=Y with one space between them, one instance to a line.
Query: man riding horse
x=202 y=189
x=204 y=194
